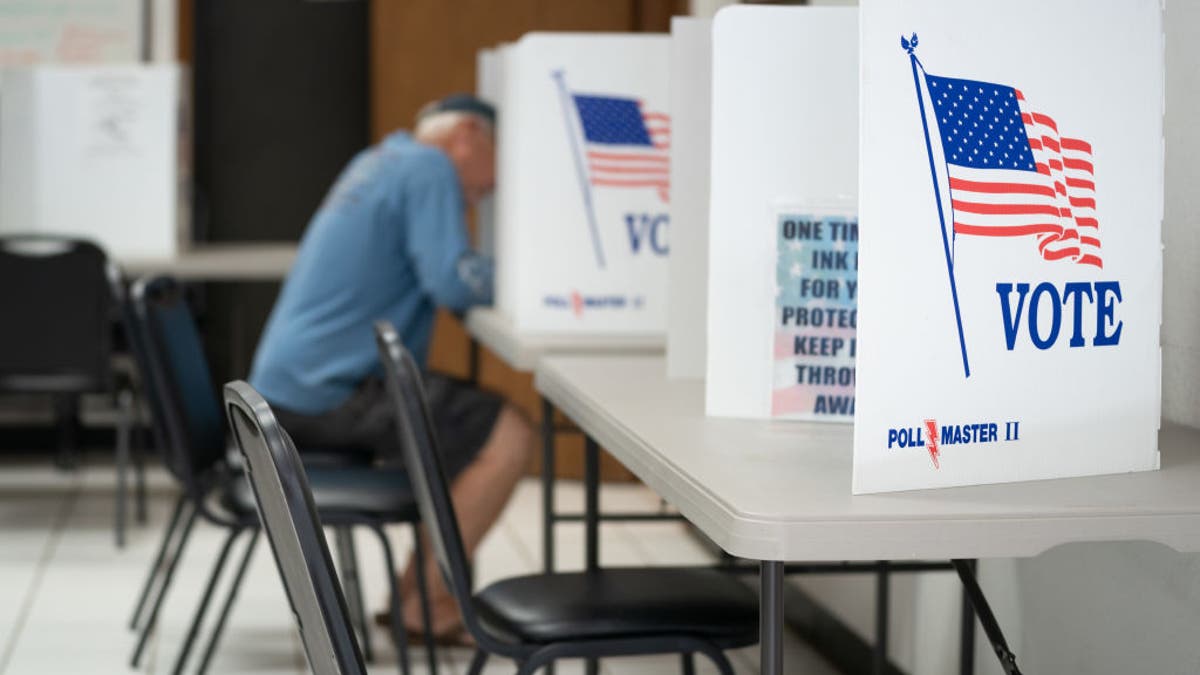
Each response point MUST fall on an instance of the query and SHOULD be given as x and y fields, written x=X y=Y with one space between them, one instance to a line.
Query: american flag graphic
x=626 y=147
x=1012 y=174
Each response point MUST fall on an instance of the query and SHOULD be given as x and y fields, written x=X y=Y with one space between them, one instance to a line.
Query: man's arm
x=449 y=271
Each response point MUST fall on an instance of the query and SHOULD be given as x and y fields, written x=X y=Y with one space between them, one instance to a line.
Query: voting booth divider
x=691 y=129
x=1011 y=242
x=581 y=210
x=488 y=88
x=783 y=232
x=100 y=152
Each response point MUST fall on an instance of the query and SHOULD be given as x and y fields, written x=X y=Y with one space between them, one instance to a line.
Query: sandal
x=455 y=637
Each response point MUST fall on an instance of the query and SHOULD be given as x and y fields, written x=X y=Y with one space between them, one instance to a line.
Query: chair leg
x=688 y=662
x=139 y=462
x=168 y=576
x=477 y=662
x=352 y=586
x=201 y=609
x=67 y=417
x=156 y=566
x=423 y=592
x=124 y=428
x=399 y=633
x=219 y=628
x=724 y=667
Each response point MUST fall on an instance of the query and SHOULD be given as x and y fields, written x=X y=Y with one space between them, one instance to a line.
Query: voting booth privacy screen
x=691 y=128
x=782 y=287
x=98 y=152
x=583 y=190
x=1011 y=262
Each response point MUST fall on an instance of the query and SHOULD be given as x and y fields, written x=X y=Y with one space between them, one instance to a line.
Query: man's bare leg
x=479 y=494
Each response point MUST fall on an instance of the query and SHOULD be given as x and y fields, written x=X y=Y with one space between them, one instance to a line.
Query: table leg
x=771 y=617
x=591 y=508
x=991 y=627
x=547 y=486
x=882 y=604
x=966 y=638
x=591 y=518
x=473 y=361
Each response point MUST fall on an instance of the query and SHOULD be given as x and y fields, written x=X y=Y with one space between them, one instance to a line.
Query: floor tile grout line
x=43 y=564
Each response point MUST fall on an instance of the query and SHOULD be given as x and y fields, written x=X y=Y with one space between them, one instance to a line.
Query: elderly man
x=390 y=242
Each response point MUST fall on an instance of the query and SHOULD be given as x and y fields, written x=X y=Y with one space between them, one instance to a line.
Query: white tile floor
x=66 y=592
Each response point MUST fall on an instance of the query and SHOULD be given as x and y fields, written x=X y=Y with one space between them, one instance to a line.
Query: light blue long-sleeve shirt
x=389 y=242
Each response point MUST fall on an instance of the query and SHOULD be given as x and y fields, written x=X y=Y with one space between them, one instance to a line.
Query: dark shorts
x=463 y=417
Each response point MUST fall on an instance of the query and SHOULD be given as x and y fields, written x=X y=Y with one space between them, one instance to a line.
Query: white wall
x=1181 y=226
x=706 y=9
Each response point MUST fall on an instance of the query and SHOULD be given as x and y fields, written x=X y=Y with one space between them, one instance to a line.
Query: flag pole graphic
x=580 y=170
x=962 y=343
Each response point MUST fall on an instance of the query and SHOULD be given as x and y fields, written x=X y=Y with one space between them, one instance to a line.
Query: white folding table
x=231 y=261
x=780 y=491
x=522 y=351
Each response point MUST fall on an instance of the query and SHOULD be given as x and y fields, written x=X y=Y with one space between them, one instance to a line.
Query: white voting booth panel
x=784 y=139
x=691 y=128
x=95 y=152
x=582 y=193
x=488 y=88
x=1011 y=207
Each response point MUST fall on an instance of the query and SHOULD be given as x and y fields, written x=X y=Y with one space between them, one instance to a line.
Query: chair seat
x=620 y=602
x=385 y=494
x=333 y=458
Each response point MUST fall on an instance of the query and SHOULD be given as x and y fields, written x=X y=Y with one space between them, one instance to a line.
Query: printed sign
x=583 y=189
x=70 y=31
x=1011 y=268
x=816 y=311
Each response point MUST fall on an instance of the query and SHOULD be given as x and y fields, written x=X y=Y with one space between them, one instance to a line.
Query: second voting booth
x=581 y=209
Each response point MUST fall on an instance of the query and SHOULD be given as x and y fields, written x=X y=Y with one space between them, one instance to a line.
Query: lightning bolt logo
x=932 y=443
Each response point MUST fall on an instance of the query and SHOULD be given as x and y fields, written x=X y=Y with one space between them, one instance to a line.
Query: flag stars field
x=1015 y=175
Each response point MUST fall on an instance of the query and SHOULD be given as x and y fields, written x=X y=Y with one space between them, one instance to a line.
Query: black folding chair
x=191 y=418
x=57 y=300
x=286 y=508
x=540 y=618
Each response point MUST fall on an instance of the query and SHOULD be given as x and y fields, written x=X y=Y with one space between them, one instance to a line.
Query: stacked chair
x=192 y=429
x=59 y=298
x=532 y=620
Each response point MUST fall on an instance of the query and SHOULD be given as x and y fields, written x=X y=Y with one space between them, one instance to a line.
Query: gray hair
x=432 y=122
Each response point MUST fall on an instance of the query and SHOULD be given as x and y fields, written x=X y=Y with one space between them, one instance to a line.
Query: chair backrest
x=180 y=379
x=56 y=303
x=424 y=465
x=285 y=506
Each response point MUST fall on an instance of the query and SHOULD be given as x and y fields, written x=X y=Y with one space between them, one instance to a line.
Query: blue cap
x=462 y=103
